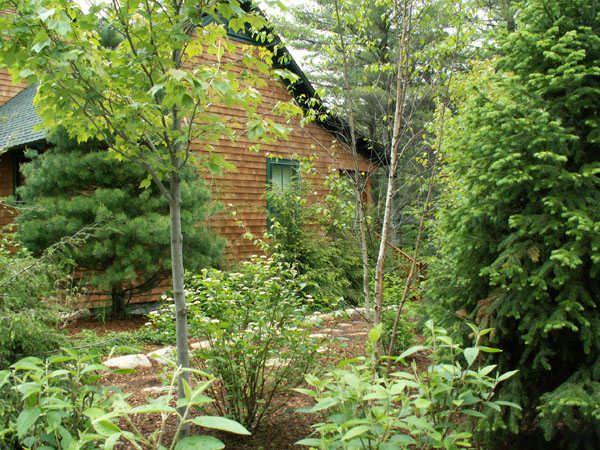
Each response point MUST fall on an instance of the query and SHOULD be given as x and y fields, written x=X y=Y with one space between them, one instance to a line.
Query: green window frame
x=283 y=174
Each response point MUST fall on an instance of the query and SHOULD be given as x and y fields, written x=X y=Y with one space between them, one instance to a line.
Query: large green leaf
x=199 y=443
x=221 y=423
x=26 y=420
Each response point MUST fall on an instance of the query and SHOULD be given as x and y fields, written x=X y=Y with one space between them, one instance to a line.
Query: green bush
x=319 y=240
x=418 y=408
x=256 y=340
x=45 y=402
x=58 y=403
x=27 y=319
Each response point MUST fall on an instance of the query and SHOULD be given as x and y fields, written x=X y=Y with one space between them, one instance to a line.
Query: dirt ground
x=345 y=339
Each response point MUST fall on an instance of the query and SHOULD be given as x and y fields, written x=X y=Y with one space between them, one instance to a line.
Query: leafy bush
x=27 y=320
x=58 y=403
x=44 y=402
x=319 y=240
x=256 y=342
x=417 y=408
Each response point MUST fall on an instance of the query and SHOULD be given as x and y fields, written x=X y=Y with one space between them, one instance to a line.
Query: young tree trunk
x=183 y=355
x=357 y=178
x=401 y=84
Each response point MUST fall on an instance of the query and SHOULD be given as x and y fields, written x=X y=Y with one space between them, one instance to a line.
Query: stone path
x=343 y=330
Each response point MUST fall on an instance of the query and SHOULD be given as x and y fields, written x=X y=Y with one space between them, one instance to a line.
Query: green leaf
x=37 y=48
x=422 y=403
x=375 y=334
x=355 y=432
x=507 y=375
x=105 y=427
x=470 y=354
x=26 y=420
x=199 y=442
x=509 y=404
x=411 y=351
x=4 y=377
x=45 y=14
x=221 y=423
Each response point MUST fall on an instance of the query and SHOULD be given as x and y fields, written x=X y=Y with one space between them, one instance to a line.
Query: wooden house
x=242 y=190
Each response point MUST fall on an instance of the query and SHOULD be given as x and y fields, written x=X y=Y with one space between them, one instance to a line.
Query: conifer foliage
x=519 y=233
x=72 y=185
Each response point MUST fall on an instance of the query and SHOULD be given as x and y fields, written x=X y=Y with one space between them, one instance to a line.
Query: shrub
x=58 y=403
x=257 y=342
x=27 y=320
x=417 y=408
x=44 y=402
x=318 y=239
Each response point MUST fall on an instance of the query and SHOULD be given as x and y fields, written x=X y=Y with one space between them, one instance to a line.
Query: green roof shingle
x=18 y=120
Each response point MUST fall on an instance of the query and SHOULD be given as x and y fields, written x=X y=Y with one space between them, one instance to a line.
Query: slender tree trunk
x=183 y=355
x=401 y=84
x=357 y=178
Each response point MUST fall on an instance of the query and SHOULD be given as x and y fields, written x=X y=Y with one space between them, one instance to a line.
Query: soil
x=101 y=327
x=278 y=431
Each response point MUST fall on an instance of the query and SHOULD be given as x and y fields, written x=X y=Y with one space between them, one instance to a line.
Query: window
x=282 y=175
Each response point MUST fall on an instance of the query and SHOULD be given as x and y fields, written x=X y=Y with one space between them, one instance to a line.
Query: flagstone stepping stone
x=128 y=362
x=163 y=355
x=201 y=345
x=345 y=325
x=318 y=336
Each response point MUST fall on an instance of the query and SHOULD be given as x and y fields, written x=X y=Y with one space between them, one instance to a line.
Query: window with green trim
x=282 y=175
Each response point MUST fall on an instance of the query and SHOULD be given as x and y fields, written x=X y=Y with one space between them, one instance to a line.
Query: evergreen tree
x=519 y=234
x=72 y=185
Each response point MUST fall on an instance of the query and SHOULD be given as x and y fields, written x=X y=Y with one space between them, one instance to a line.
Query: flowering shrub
x=254 y=338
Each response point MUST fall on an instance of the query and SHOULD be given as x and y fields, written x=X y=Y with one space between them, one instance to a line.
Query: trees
x=127 y=250
x=149 y=97
x=518 y=235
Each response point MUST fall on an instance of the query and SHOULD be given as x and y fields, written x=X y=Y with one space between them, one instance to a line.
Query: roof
x=18 y=120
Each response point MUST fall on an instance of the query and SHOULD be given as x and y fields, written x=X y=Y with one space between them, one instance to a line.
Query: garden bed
x=342 y=338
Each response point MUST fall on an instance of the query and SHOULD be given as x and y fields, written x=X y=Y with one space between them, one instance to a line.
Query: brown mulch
x=101 y=327
x=277 y=432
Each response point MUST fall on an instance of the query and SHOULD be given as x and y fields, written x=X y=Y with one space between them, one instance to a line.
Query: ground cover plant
x=59 y=403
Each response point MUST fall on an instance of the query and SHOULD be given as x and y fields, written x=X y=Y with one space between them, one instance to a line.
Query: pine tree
x=72 y=185
x=519 y=234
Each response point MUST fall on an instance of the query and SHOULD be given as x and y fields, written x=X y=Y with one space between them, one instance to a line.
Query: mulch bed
x=101 y=327
x=279 y=431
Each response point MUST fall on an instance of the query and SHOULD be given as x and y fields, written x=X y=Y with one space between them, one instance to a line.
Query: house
x=242 y=190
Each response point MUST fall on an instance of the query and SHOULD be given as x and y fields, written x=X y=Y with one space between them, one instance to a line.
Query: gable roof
x=18 y=120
